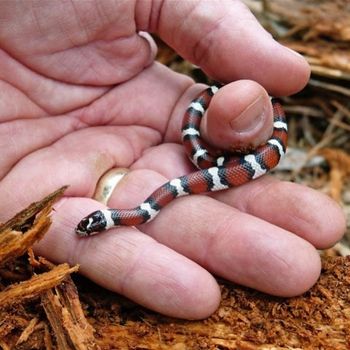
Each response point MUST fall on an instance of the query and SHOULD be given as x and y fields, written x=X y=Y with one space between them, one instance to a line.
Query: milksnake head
x=91 y=224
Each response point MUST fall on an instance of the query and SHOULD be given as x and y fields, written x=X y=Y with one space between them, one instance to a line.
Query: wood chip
x=28 y=331
x=67 y=319
x=34 y=287
x=20 y=233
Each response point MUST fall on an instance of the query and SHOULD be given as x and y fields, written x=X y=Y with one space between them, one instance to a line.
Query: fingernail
x=250 y=117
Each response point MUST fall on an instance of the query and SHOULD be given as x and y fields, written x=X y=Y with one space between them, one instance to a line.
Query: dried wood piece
x=28 y=213
x=47 y=338
x=34 y=221
x=339 y=162
x=4 y=345
x=318 y=30
x=329 y=18
x=32 y=288
x=15 y=243
x=28 y=331
x=9 y=322
x=326 y=59
x=67 y=319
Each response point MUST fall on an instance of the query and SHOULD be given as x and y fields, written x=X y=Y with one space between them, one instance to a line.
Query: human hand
x=80 y=94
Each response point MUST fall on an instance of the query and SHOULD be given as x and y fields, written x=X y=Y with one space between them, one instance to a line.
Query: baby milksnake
x=217 y=172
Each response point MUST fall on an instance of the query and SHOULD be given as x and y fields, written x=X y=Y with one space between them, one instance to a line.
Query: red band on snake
x=217 y=172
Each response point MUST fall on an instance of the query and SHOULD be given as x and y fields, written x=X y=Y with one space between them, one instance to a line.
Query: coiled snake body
x=217 y=172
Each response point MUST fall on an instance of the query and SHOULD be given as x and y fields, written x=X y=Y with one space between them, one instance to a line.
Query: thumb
x=239 y=117
x=228 y=43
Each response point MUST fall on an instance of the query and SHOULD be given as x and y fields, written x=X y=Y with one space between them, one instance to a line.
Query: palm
x=80 y=95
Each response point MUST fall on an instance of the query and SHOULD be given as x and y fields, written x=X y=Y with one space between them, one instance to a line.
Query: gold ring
x=107 y=184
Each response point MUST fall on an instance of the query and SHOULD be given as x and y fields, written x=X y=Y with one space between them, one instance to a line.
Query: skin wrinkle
x=169 y=285
x=90 y=67
x=17 y=87
x=288 y=274
x=224 y=230
x=270 y=190
x=127 y=145
x=152 y=123
x=227 y=233
x=15 y=113
x=70 y=36
x=132 y=148
x=156 y=15
x=221 y=230
x=35 y=87
x=36 y=19
x=140 y=153
x=117 y=259
x=136 y=48
x=175 y=153
x=253 y=275
x=84 y=113
x=57 y=154
x=173 y=114
x=264 y=278
x=104 y=15
x=143 y=15
x=176 y=117
x=131 y=52
x=305 y=222
x=79 y=22
x=200 y=49
x=78 y=251
x=127 y=137
x=16 y=158
x=214 y=238
x=104 y=111
x=183 y=23
x=282 y=262
x=255 y=192
x=11 y=143
x=205 y=53
x=133 y=265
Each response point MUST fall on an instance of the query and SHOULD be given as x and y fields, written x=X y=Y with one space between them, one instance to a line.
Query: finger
x=227 y=42
x=131 y=263
x=308 y=213
x=237 y=246
x=303 y=211
x=78 y=159
x=232 y=244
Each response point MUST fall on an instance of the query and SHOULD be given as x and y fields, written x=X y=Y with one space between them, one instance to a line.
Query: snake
x=217 y=170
